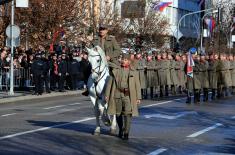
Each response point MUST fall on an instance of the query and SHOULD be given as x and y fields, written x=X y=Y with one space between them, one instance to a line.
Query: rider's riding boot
x=85 y=93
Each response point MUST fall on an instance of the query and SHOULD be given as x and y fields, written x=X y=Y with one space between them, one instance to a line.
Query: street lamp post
x=201 y=44
x=12 y=49
x=192 y=13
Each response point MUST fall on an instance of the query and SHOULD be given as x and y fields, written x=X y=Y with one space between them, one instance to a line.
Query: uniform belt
x=125 y=91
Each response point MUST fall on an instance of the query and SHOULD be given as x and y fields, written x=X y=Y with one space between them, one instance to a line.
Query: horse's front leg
x=97 y=116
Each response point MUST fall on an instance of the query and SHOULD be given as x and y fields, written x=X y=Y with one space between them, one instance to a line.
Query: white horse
x=96 y=87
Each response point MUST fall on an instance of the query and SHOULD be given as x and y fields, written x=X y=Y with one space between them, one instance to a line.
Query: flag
x=190 y=64
x=160 y=6
x=210 y=22
x=200 y=2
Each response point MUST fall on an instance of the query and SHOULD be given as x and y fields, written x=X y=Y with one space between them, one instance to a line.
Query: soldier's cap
x=125 y=56
x=103 y=27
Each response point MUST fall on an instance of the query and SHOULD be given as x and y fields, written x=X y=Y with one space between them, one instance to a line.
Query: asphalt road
x=64 y=126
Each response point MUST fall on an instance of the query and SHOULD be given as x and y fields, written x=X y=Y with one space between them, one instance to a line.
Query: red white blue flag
x=210 y=22
x=190 y=64
x=160 y=6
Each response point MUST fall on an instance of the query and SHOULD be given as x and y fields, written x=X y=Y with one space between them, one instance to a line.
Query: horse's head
x=97 y=59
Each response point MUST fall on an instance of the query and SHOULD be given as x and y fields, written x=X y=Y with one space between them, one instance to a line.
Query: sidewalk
x=21 y=96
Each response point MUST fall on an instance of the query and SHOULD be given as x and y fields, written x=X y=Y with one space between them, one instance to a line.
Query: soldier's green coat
x=164 y=73
x=232 y=71
x=109 y=45
x=224 y=73
x=151 y=77
x=204 y=74
x=141 y=71
x=134 y=87
x=213 y=74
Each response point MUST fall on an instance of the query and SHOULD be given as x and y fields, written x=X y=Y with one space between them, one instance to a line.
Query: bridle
x=99 y=72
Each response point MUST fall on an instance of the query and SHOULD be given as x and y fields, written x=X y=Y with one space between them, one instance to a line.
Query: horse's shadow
x=78 y=127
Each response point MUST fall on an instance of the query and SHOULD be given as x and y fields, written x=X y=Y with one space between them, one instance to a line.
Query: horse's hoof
x=113 y=132
x=96 y=133
x=107 y=123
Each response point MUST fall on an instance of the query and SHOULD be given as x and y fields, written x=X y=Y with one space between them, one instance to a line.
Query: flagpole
x=192 y=13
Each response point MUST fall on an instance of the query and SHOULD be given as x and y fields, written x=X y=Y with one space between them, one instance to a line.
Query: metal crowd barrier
x=22 y=78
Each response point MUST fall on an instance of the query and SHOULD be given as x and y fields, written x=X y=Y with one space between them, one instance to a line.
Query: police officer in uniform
x=63 y=72
x=38 y=68
x=74 y=71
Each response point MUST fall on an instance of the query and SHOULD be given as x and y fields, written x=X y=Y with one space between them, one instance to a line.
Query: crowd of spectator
x=64 y=68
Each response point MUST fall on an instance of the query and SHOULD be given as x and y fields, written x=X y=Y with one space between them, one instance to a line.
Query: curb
x=32 y=97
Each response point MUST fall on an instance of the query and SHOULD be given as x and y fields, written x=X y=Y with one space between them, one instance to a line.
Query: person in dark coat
x=74 y=71
x=46 y=77
x=63 y=72
x=85 y=68
x=54 y=71
x=37 y=73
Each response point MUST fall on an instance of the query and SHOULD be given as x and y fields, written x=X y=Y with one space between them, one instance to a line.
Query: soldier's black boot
x=213 y=95
x=125 y=136
x=151 y=92
x=166 y=91
x=188 y=100
x=205 y=95
x=233 y=90
x=142 y=93
x=127 y=126
x=196 y=97
x=161 y=91
x=173 y=90
x=120 y=125
x=228 y=91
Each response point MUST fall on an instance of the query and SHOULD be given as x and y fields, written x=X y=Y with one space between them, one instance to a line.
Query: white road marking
x=59 y=106
x=8 y=114
x=56 y=112
x=178 y=115
x=45 y=128
x=158 y=151
x=204 y=130
x=233 y=117
x=165 y=102
x=151 y=105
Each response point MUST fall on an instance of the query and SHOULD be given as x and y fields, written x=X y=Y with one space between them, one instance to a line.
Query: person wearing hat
x=123 y=95
x=213 y=74
x=164 y=75
x=38 y=69
x=204 y=65
x=108 y=43
x=140 y=66
x=62 y=72
x=224 y=76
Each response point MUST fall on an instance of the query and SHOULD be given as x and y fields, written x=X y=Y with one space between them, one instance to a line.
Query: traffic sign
x=16 y=42
x=15 y=31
